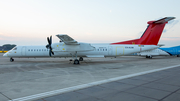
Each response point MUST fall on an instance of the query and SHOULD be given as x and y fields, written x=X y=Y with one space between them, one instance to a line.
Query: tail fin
x=152 y=34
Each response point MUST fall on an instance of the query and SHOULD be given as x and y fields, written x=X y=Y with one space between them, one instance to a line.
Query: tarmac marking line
x=69 y=89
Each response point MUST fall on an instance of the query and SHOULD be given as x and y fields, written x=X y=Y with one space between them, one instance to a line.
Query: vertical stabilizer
x=152 y=34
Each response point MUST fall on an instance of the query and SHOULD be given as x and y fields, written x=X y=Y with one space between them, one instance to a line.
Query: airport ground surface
x=26 y=77
x=162 y=85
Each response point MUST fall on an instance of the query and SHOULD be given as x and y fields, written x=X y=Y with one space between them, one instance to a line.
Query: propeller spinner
x=48 y=46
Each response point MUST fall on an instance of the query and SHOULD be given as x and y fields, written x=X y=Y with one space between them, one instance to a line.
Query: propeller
x=48 y=46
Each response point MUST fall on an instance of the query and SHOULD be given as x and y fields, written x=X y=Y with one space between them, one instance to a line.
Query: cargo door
x=119 y=50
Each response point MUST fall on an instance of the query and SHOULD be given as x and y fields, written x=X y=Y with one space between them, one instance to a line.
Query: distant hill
x=7 y=47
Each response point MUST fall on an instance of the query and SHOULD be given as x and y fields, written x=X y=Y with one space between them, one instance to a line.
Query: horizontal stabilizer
x=164 y=20
x=160 y=45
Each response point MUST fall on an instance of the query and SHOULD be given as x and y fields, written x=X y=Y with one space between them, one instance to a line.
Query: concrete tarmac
x=25 y=77
x=158 y=86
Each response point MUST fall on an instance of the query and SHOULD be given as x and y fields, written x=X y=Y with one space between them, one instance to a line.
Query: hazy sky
x=30 y=22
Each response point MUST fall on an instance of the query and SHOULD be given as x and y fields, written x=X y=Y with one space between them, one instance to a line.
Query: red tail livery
x=152 y=34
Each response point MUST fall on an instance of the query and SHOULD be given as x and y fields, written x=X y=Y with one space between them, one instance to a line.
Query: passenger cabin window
x=102 y=49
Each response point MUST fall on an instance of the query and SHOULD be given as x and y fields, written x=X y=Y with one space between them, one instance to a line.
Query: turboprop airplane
x=68 y=47
x=171 y=51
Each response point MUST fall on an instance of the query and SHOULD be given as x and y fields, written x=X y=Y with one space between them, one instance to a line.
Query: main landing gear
x=150 y=57
x=11 y=59
x=76 y=61
x=74 y=55
x=80 y=58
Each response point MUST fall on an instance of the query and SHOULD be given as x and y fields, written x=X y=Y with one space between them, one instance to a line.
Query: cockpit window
x=15 y=48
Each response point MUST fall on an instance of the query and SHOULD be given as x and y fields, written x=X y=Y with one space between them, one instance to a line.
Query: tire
x=80 y=59
x=76 y=61
x=11 y=59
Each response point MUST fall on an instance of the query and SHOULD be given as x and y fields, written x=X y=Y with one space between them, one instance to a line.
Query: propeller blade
x=48 y=40
x=48 y=46
x=51 y=39
x=50 y=53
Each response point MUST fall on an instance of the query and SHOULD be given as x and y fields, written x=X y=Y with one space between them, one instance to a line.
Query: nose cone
x=5 y=54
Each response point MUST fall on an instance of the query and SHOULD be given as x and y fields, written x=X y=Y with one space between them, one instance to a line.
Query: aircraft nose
x=5 y=54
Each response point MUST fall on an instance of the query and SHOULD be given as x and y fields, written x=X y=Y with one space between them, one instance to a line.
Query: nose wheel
x=11 y=59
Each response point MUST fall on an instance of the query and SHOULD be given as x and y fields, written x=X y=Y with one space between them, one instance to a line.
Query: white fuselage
x=154 y=52
x=61 y=50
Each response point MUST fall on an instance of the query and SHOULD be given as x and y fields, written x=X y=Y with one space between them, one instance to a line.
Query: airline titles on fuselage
x=130 y=47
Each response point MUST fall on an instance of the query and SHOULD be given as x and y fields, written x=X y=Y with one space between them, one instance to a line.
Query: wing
x=73 y=46
x=67 y=39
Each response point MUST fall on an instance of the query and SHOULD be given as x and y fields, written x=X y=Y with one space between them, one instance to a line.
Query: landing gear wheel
x=81 y=59
x=150 y=57
x=11 y=59
x=178 y=55
x=76 y=61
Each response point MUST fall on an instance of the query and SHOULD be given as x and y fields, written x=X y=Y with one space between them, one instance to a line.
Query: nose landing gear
x=11 y=59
